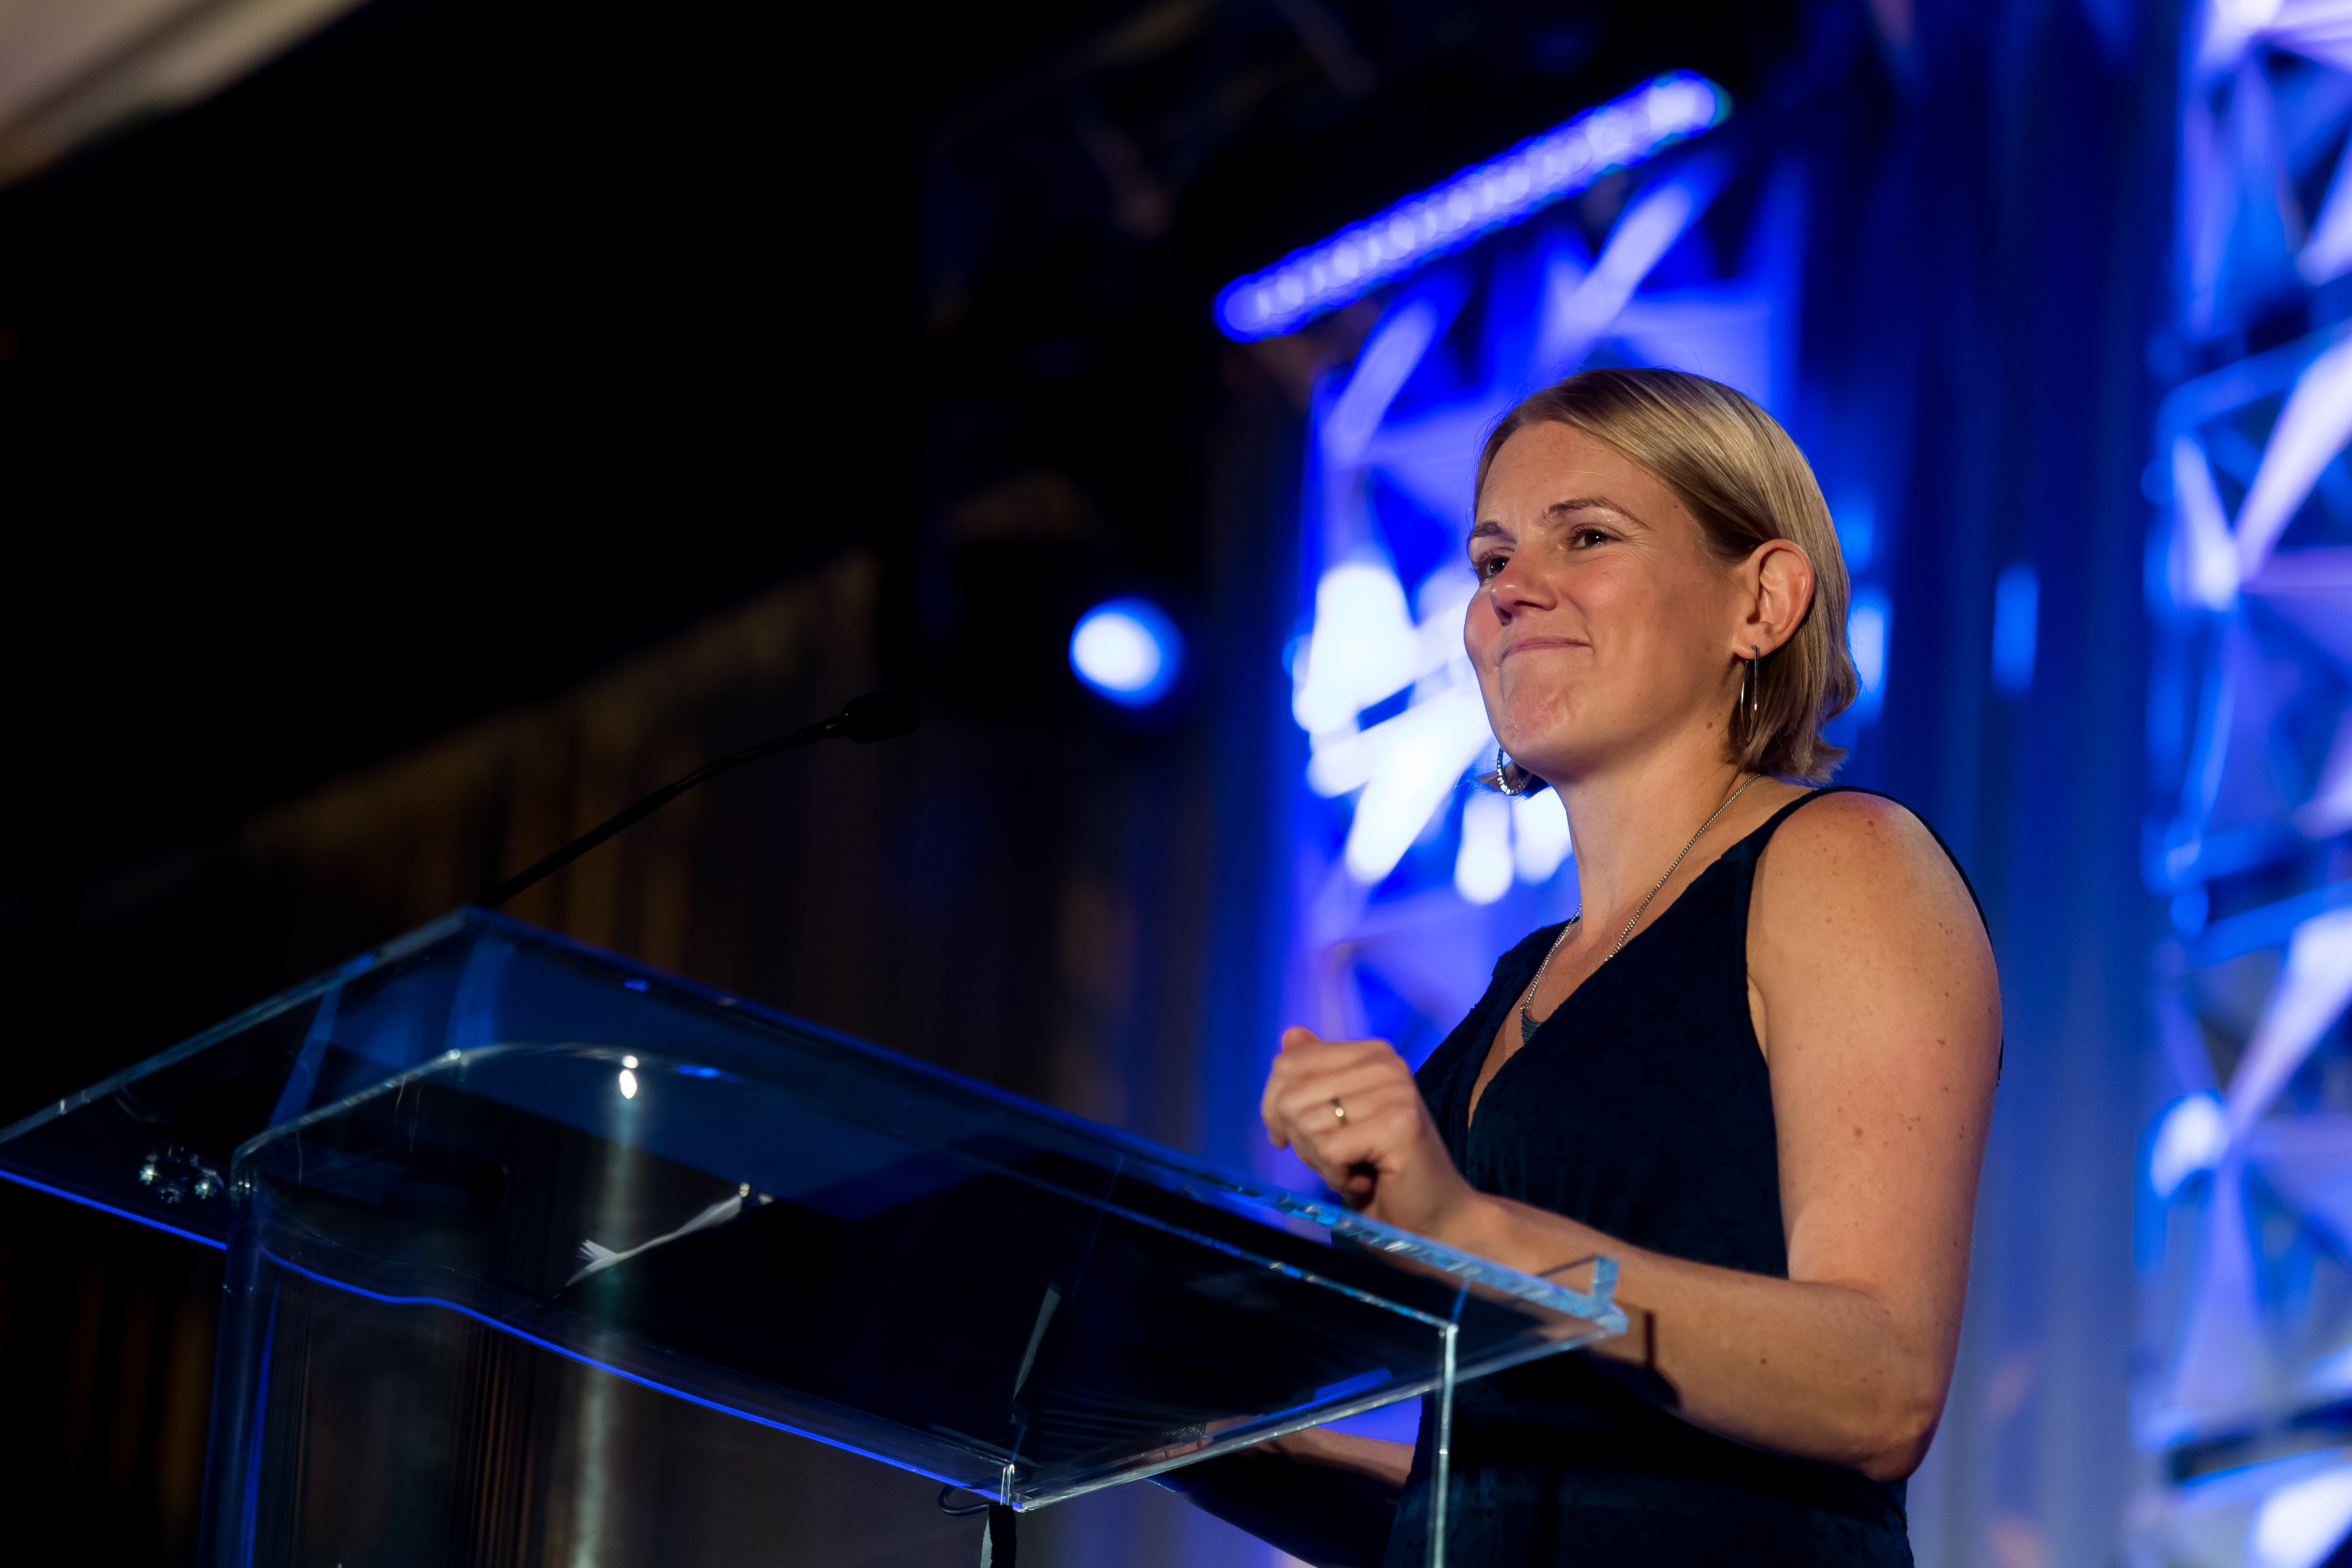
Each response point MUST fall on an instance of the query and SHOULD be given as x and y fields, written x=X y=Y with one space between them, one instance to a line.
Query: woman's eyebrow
x=1562 y=508
x=1590 y=503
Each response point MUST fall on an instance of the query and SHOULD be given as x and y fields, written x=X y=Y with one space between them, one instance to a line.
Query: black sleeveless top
x=1643 y=1107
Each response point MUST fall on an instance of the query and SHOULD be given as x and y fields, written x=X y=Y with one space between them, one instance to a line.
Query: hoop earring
x=1752 y=686
x=1502 y=777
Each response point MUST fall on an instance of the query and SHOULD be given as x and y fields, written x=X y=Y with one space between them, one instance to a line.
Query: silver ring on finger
x=1338 y=1110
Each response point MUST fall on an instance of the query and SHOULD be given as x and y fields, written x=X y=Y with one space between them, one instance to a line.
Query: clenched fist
x=1352 y=1111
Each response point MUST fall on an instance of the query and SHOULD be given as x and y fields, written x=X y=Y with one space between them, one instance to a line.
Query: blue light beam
x=1475 y=203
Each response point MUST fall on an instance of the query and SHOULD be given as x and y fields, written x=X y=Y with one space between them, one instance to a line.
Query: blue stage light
x=2016 y=606
x=1129 y=650
x=1477 y=201
x=1867 y=625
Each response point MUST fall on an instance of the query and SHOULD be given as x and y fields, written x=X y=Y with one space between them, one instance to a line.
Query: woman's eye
x=1488 y=567
x=1586 y=538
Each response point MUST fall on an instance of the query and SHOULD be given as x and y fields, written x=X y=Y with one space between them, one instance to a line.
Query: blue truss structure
x=2244 y=1385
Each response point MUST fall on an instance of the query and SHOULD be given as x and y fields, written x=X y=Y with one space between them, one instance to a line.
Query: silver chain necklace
x=1527 y=998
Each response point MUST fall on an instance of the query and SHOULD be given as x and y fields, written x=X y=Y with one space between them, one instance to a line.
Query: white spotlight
x=1540 y=835
x=2189 y=1139
x=1129 y=650
x=1482 y=869
x=2299 y=1525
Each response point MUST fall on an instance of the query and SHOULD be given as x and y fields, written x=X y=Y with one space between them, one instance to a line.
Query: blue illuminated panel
x=1479 y=201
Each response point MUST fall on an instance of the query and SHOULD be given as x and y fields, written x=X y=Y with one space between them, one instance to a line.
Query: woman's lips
x=1529 y=644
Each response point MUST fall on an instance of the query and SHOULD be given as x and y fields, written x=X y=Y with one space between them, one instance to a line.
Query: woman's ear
x=1777 y=580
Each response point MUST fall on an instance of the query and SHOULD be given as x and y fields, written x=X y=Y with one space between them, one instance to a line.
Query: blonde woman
x=1756 y=1068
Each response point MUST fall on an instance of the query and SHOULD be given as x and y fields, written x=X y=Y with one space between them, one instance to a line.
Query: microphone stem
x=647 y=806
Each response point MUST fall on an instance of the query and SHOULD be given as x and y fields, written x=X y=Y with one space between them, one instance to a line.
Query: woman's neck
x=1629 y=822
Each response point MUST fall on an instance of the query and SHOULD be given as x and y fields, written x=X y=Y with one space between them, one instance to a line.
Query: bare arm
x=1876 y=1002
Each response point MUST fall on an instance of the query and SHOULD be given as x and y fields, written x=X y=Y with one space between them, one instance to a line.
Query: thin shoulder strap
x=1764 y=833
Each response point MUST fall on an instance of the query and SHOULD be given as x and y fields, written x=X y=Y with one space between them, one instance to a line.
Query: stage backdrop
x=1942 y=250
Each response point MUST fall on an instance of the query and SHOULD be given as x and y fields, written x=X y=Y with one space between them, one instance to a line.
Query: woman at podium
x=1757 y=1068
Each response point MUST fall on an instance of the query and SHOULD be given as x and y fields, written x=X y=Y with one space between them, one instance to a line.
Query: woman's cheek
x=1479 y=630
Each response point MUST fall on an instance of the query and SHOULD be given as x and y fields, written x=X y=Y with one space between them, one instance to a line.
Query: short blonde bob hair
x=1744 y=481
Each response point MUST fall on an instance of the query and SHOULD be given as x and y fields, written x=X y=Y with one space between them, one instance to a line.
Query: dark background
x=472 y=345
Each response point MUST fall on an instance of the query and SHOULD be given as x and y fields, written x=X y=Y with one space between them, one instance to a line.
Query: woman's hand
x=1385 y=1156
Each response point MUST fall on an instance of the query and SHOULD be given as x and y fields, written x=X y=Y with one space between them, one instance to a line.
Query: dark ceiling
x=474 y=344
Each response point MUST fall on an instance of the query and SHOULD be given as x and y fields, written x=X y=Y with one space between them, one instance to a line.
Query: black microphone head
x=880 y=716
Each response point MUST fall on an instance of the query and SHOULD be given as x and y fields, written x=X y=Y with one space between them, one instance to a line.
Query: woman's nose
x=1509 y=590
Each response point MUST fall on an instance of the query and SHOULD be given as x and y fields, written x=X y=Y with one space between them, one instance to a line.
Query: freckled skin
x=1609 y=646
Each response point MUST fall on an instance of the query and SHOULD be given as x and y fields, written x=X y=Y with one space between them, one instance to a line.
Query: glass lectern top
x=754 y=1213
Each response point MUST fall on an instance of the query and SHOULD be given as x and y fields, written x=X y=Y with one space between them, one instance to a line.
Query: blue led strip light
x=108 y=1208
x=1477 y=201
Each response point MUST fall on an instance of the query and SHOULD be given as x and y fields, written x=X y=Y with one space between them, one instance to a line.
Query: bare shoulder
x=1853 y=893
x=1843 y=847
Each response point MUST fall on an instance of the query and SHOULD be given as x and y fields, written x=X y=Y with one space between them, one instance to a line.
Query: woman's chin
x=1556 y=756
x=1550 y=764
x=1544 y=735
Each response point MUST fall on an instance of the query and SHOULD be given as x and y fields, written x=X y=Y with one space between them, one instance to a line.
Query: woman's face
x=1603 y=626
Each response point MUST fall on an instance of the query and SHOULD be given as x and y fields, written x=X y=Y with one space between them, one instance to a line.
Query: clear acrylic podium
x=478 y=1184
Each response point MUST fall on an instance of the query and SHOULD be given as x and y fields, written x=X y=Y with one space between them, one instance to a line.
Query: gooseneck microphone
x=877 y=715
